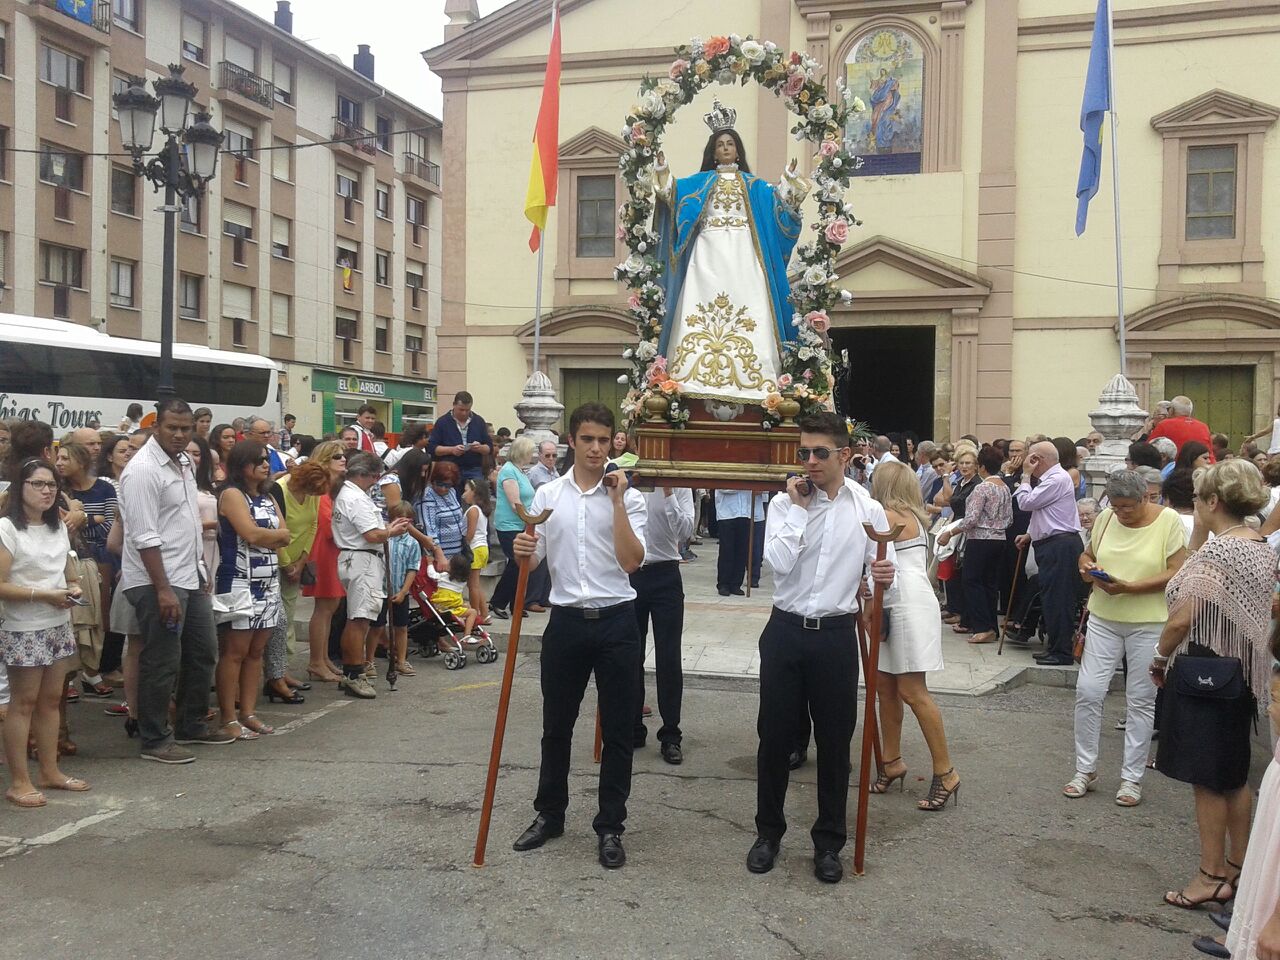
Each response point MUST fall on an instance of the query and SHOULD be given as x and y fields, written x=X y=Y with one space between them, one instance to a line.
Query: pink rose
x=819 y=320
x=808 y=374
x=829 y=148
x=621 y=233
x=677 y=68
x=634 y=301
x=794 y=84
x=639 y=133
x=837 y=231
x=785 y=380
x=795 y=59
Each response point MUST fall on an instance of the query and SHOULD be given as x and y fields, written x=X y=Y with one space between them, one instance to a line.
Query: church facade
x=976 y=308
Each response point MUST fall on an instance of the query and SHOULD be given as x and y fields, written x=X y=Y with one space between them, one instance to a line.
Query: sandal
x=940 y=793
x=1079 y=785
x=1129 y=794
x=1176 y=898
x=884 y=781
x=959 y=629
x=987 y=636
x=27 y=801
x=244 y=734
x=68 y=783
x=1235 y=881
x=321 y=677
x=251 y=722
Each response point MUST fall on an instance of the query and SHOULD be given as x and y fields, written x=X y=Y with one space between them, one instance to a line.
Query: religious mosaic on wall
x=886 y=69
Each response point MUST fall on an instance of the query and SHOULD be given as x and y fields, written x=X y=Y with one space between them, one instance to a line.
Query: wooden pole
x=504 y=697
x=751 y=539
x=882 y=541
x=599 y=747
x=1013 y=589
x=864 y=654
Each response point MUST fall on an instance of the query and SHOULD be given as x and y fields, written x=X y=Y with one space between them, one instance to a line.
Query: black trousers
x=538 y=589
x=660 y=597
x=573 y=649
x=1058 y=558
x=731 y=566
x=981 y=578
x=757 y=553
x=817 y=669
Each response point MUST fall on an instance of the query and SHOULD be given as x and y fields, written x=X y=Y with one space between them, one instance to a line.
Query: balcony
x=422 y=168
x=90 y=13
x=358 y=138
x=248 y=84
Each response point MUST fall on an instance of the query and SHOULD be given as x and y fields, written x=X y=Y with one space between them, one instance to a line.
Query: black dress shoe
x=1054 y=660
x=738 y=592
x=1212 y=947
x=755 y=584
x=797 y=759
x=826 y=866
x=723 y=591
x=612 y=856
x=1221 y=918
x=672 y=754
x=539 y=832
x=761 y=855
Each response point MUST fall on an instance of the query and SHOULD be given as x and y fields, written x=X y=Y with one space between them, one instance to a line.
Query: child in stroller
x=440 y=595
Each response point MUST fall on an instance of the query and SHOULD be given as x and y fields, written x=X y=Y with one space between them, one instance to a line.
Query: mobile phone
x=1100 y=575
x=805 y=486
x=80 y=601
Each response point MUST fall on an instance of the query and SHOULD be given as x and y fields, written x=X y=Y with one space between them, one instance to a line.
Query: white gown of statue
x=724 y=341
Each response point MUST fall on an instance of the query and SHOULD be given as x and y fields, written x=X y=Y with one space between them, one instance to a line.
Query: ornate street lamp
x=185 y=163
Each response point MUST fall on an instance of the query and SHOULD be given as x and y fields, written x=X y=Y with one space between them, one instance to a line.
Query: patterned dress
x=257 y=568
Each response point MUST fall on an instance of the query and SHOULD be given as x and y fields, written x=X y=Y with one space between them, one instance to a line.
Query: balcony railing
x=99 y=18
x=422 y=168
x=365 y=141
x=247 y=83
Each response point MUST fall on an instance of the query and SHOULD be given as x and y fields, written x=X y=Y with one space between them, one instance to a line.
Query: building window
x=416 y=215
x=414 y=337
x=413 y=274
x=281 y=308
x=1211 y=192
x=4 y=153
x=282 y=78
x=122 y=283
x=595 y=227
x=382 y=200
x=282 y=160
x=281 y=230
x=239 y=138
x=189 y=295
x=125 y=13
x=189 y=215
x=61 y=265
x=382 y=268
x=237 y=223
x=346 y=329
x=119 y=84
x=382 y=133
x=237 y=306
x=124 y=188
x=61 y=167
x=194 y=34
x=4 y=48
x=381 y=335
x=350 y=112
x=348 y=254
x=61 y=69
x=238 y=336
x=348 y=184
x=243 y=55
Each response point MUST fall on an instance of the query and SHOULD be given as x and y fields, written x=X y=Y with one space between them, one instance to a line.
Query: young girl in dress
x=451 y=580
x=479 y=506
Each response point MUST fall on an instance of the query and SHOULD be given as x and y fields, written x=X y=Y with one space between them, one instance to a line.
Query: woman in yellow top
x=1134 y=549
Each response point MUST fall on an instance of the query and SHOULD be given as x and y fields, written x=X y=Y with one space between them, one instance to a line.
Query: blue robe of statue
x=725 y=239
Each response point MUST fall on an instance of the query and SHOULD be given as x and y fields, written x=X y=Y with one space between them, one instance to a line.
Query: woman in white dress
x=913 y=641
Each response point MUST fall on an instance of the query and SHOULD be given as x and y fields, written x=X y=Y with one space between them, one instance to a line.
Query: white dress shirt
x=735 y=504
x=670 y=523
x=820 y=553
x=161 y=509
x=577 y=542
x=871 y=466
x=354 y=515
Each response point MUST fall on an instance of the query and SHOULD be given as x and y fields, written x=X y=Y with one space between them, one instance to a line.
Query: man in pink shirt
x=1048 y=494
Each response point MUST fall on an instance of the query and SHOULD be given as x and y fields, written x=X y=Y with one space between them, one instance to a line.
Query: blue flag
x=1097 y=101
x=82 y=10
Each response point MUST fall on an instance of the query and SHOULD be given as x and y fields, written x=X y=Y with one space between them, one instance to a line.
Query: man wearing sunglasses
x=820 y=554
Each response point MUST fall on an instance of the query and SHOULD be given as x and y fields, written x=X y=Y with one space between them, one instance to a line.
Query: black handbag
x=1209 y=678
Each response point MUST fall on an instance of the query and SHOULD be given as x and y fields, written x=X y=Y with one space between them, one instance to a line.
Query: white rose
x=646 y=351
x=804 y=353
x=753 y=50
x=627 y=354
x=651 y=105
x=726 y=77
x=634 y=264
x=814 y=276
x=735 y=39
x=822 y=114
x=859 y=105
x=624 y=379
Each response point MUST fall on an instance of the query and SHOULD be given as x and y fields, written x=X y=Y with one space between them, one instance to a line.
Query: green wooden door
x=1223 y=397
x=592 y=386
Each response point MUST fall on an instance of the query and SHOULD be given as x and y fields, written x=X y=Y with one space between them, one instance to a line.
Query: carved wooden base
x=734 y=455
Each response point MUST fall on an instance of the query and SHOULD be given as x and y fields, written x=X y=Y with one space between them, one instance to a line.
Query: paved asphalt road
x=351 y=836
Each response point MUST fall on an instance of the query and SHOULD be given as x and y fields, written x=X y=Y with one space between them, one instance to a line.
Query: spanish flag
x=546 y=141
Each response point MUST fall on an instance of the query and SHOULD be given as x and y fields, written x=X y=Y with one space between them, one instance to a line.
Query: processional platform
x=709 y=451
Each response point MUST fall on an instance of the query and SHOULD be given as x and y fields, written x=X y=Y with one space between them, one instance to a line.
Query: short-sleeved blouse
x=988 y=511
x=1134 y=553
x=504 y=515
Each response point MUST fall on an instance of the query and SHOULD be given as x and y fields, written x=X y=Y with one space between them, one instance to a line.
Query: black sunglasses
x=822 y=453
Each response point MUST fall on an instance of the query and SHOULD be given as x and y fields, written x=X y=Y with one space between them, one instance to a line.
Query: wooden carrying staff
x=864 y=656
x=504 y=698
x=882 y=541
x=1013 y=592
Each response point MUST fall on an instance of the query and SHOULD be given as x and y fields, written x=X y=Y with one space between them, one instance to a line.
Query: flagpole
x=1115 y=185
x=537 y=308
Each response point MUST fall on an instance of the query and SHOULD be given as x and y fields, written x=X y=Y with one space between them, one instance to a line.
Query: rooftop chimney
x=362 y=62
x=284 y=16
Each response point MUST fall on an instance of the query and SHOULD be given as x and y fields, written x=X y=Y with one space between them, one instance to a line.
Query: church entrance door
x=891 y=381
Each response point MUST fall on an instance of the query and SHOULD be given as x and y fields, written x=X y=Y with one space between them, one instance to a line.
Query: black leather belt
x=1057 y=536
x=839 y=621
x=595 y=613
x=374 y=553
x=659 y=564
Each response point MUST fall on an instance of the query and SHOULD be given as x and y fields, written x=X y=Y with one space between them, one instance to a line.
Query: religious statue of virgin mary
x=725 y=237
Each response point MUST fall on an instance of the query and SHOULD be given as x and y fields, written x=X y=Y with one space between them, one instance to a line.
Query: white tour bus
x=69 y=375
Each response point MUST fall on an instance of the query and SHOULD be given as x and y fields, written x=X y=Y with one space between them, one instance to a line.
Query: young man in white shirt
x=593 y=540
x=819 y=554
x=366 y=417
x=660 y=597
x=359 y=534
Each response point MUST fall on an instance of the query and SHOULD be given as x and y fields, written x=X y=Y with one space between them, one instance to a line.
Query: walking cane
x=504 y=697
x=882 y=540
x=393 y=667
x=875 y=721
x=1013 y=591
x=751 y=540
x=599 y=748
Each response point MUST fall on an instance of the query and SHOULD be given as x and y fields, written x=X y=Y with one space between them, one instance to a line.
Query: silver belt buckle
x=590 y=613
x=813 y=623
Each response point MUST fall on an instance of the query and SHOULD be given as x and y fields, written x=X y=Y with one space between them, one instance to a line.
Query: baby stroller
x=430 y=629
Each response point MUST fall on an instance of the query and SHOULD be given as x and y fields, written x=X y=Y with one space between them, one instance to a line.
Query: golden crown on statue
x=720 y=117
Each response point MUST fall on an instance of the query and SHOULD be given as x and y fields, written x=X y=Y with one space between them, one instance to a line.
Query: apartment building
x=315 y=244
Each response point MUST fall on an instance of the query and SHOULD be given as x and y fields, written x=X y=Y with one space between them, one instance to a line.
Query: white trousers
x=1105 y=643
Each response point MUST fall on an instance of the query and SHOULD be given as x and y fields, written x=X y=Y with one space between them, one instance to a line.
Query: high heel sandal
x=939 y=793
x=883 y=782
x=272 y=694
x=318 y=676
x=1235 y=881
x=1177 y=898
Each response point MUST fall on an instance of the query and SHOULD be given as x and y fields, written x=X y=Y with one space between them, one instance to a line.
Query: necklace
x=1238 y=526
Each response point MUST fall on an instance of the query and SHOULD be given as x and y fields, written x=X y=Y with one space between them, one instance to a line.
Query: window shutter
x=238 y=128
x=237 y=302
x=238 y=214
x=192 y=31
x=280 y=166
x=241 y=54
x=283 y=77
x=280 y=230
x=280 y=314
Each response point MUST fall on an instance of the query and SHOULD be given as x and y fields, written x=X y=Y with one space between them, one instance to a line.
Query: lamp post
x=184 y=164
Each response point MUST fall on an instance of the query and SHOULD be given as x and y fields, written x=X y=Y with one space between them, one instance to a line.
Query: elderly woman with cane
x=1134 y=548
